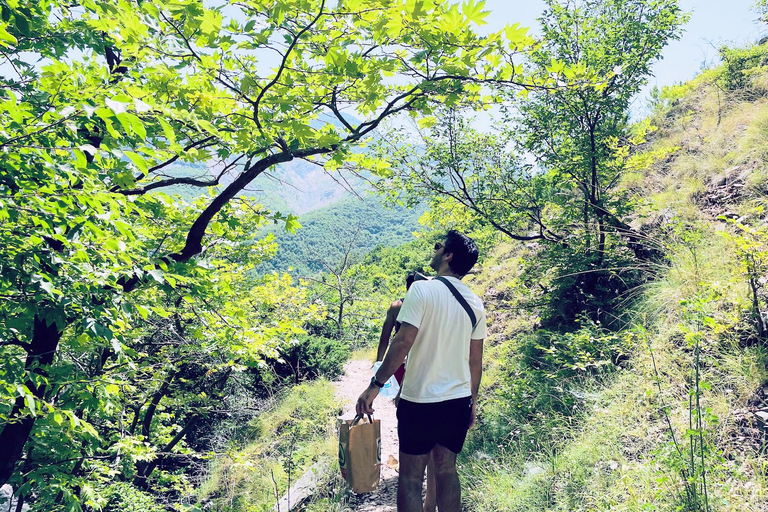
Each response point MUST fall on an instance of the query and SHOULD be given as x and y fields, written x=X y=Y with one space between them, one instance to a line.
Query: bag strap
x=461 y=299
x=360 y=416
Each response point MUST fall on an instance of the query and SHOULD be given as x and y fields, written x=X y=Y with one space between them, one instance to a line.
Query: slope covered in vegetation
x=349 y=228
x=667 y=412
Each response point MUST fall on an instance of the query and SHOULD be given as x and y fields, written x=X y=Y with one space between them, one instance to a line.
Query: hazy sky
x=712 y=23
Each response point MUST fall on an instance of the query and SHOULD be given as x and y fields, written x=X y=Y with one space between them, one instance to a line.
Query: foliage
x=752 y=251
x=356 y=290
x=288 y=439
x=311 y=357
x=578 y=133
x=121 y=497
x=541 y=386
x=579 y=136
x=366 y=220
x=471 y=173
x=741 y=64
x=90 y=247
x=761 y=8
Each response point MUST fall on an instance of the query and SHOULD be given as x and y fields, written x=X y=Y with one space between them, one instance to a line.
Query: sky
x=712 y=23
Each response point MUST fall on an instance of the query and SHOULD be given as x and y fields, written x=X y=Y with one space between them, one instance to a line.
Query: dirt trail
x=357 y=375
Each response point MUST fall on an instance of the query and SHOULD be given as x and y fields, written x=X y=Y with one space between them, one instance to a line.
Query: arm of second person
x=386 y=330
x=398 y=349
x=475 y=372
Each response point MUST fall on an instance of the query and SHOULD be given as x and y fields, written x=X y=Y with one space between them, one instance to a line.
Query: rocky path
x=357 y=375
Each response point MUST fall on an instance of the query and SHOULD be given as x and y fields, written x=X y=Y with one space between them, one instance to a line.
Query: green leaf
x=157 y=275
x=292 y=223
x=144 y=312
x=6 y=39
x=138 y=161
x=427 y=122
x=21 y=23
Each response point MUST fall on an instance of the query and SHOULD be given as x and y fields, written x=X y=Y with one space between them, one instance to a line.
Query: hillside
x=625 y=437
x=354 y=224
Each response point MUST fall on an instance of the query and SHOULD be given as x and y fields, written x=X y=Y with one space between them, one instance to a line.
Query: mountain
x=362 y=222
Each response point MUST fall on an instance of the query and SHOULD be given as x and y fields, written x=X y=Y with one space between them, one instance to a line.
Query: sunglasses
x=438 y=246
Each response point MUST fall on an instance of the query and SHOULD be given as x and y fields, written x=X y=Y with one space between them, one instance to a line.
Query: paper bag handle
x=359 y=417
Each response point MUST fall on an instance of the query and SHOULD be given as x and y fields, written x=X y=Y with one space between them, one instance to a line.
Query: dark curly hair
x=464 y=249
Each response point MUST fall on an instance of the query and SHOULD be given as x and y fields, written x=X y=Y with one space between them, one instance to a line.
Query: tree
x=579 y=135
x=553 y=172
x=458 y=167
x=102 y=98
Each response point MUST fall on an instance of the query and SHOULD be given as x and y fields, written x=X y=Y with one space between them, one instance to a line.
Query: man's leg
x=409 y=482
x=448 y=487
x=430 y=502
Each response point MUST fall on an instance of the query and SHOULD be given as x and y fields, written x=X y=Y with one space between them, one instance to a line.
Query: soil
x=357 y=375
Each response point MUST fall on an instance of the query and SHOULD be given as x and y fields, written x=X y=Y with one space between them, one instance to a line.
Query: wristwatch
x=376 y=383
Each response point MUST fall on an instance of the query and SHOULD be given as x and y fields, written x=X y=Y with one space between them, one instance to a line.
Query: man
x=442 y=378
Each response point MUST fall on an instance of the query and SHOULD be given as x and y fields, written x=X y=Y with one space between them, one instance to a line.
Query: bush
x=124 y=497
x=582 y=284
x=544 y=384
x=311 y=357
x=740 y=64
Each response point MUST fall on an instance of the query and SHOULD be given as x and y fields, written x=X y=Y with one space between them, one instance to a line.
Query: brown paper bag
x=360 y=453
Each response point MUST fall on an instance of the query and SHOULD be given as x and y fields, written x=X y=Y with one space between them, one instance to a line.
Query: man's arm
x=475 y=372
x=386 y=329
x=398 y=349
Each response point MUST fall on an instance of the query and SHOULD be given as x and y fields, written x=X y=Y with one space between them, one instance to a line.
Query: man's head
x=412 y=277
x=457 y=251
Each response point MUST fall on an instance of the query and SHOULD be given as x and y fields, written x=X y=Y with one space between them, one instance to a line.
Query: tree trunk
x=45 y=340
x=159 y=394
x=146 y=469
x=340 y=330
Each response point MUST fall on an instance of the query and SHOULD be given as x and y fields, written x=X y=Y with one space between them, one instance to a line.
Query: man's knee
x=444 y=460
x=412 y=466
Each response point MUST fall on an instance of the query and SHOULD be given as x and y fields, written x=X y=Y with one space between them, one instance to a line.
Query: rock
x=532 y=470
x=317 y=476
x=762 y=416
x=6 y=493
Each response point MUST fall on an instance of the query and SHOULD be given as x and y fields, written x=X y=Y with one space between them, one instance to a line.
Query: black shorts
x=421 y=426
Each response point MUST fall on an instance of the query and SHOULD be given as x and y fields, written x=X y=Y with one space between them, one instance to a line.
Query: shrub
x=311 y=357
x=124 y=497
x=545 y=381
x=740 y=64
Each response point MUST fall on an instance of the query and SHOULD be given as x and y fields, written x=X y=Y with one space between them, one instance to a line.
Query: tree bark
x=159 y=394
x=45 y=340
x=146 y=469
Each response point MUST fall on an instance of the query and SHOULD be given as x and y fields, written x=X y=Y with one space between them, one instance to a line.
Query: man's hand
x=473 y=415
x=365 y=402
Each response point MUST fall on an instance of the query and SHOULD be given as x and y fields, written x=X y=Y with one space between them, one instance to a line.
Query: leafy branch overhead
x=102 y=99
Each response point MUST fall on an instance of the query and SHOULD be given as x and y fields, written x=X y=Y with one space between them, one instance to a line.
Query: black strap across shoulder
x=461 y=299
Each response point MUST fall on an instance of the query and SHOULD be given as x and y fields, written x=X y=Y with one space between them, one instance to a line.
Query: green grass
x=615 y=454
x=288 y=439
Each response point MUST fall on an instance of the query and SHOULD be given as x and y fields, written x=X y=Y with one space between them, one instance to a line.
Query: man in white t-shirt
x=443 y=327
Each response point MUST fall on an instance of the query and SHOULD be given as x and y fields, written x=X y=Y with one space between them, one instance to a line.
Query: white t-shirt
x=438 y=363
